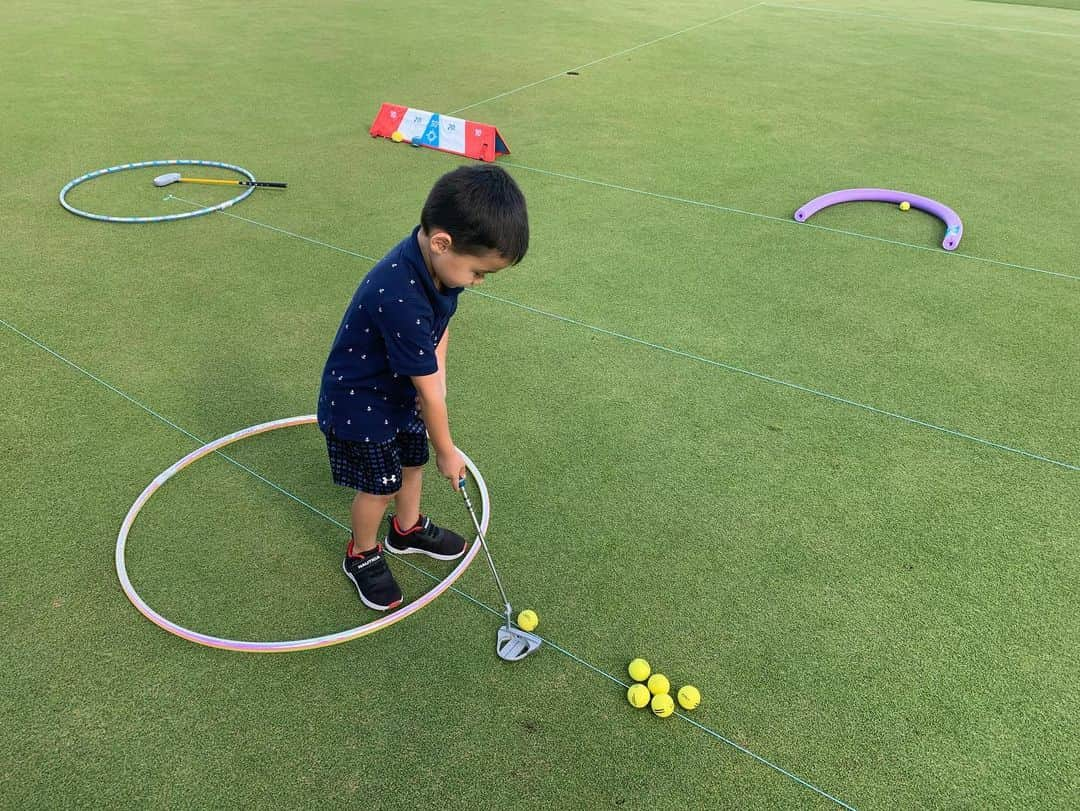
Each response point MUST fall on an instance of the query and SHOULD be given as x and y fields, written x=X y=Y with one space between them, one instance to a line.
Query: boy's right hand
x=452 y=466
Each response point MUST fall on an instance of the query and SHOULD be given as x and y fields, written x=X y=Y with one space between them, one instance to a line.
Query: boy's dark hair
x=482 y=209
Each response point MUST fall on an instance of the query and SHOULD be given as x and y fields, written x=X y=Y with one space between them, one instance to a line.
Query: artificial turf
x=882 y=607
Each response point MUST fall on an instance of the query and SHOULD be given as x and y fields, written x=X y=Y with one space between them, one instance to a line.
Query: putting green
x=824 y=474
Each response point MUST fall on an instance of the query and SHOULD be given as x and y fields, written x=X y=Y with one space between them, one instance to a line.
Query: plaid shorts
x=375 y=467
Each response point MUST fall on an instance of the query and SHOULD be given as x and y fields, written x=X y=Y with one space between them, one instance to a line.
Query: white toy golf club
x=174 y=177
x=512 y=644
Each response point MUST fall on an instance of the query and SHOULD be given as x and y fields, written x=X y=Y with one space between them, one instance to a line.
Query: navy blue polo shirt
x=389 y=333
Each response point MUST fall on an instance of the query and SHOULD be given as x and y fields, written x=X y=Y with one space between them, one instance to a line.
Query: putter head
x=513 y=644
x=165 y=180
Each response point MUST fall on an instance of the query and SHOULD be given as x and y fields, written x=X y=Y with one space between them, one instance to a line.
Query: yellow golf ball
x=662 y=705
x=638 y=695
x=527 y=620
x=689 y=697
x=396 y=136
x=659 y=684
x=639 y=670
x=904 y=206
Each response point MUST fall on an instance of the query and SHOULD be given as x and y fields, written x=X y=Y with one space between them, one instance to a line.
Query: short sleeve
x=406 y=326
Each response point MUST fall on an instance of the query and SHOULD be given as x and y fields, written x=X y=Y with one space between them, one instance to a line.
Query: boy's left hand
x=452 y=467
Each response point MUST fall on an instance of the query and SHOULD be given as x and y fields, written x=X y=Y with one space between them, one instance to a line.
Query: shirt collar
x=442 y=300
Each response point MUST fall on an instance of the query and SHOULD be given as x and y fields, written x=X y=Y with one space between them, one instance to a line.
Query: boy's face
x=453 y=269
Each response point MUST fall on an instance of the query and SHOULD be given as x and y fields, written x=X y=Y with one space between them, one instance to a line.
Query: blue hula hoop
x=168 y=217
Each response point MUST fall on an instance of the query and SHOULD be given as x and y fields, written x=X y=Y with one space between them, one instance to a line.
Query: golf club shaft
x=487 y=551
x=210 y=181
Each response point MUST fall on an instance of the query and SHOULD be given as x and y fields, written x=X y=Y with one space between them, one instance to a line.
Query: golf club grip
x=217 y=181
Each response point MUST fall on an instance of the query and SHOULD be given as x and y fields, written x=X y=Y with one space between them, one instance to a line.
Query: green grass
x=1069 y=4
x=884 y=609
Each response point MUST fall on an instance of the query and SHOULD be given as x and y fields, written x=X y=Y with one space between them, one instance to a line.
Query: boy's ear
x=441 y=242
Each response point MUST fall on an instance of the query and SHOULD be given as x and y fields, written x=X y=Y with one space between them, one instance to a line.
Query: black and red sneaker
x=424 y=539
x=372 y=577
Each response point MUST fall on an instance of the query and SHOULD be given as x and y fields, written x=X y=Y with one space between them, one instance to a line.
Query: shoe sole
x=412 y=550
x=365 y=600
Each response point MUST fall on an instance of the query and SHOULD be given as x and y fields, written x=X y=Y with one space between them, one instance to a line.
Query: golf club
x=174 y=177
x=512 y=644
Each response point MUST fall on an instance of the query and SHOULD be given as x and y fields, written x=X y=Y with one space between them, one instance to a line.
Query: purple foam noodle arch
x=954 y=228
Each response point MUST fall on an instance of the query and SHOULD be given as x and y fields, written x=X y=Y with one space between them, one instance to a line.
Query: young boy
x=385 y=380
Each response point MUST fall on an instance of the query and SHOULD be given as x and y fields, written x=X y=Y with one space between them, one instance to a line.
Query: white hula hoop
x=292 y=644
x=184 y=215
